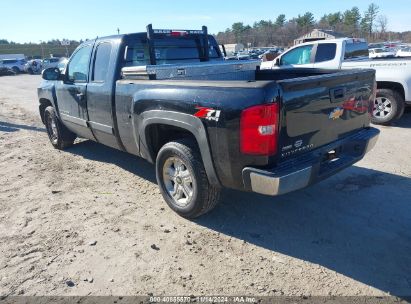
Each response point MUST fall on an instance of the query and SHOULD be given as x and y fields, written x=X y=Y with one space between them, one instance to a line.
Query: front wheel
x=388 y=106
x=60 y=137
x=183 y=180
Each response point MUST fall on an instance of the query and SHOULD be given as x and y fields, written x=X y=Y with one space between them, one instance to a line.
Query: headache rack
x=153 y=33
x=206 y=69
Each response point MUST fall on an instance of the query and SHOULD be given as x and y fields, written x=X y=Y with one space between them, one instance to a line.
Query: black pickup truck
x=170 y=98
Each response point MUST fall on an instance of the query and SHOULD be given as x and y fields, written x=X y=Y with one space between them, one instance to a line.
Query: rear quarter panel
x=133 y=98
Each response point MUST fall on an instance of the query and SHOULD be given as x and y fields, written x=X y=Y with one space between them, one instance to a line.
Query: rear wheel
x=388 y=106
x=183 y=180
x=60 y=137
x=15 y=69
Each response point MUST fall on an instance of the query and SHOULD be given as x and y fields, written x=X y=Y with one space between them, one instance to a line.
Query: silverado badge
x=336 y=113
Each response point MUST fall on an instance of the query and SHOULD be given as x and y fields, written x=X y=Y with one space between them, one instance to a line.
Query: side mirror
x=277 y=61
x=51 y=74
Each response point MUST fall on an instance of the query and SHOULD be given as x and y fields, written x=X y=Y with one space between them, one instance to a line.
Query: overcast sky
x=27 y=20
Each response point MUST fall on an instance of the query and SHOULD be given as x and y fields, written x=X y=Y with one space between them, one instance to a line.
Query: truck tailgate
x=319 y=110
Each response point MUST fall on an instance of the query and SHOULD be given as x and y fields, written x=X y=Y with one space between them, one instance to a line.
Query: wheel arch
x=174 y=125
x=395 y=86
x=44 y=103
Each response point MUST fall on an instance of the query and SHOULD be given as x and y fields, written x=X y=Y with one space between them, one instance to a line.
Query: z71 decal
x=207 y=113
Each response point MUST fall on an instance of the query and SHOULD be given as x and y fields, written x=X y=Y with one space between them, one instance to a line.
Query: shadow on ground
x=12 y=127
x=98 y=152
x=405 y=120
x=357 y=224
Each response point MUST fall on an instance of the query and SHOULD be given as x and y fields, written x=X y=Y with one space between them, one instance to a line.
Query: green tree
x=334 y=19
x=370 y=15
x=239 y=30
x=305 y=20
x=280 y=21
x=351 y=20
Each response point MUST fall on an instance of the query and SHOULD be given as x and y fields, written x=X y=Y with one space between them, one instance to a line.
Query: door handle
x=80 y=96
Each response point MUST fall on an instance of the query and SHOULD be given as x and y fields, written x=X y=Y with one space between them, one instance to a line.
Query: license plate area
x=331 y=160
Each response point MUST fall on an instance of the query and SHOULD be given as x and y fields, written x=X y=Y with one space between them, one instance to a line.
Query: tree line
x=49 y=42
x=281 y=32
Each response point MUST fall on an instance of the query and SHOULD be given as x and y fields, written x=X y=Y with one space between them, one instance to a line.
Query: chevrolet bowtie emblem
x=336 y=113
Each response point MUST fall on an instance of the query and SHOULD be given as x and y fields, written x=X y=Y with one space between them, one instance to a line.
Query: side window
x=355 y=50
x=101 y=62
x=77 y=69
x=300 y=55
x=325 y=52
x=137 y=54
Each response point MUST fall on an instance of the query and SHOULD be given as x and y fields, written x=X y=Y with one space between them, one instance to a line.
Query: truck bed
x=215 y=70
x=313 y=111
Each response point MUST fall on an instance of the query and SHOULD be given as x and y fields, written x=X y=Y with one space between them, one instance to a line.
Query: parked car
x=216 y=123
x=62 y=64
x=5 y=71
x=404 y=52
x=50 y=62
x=17 y=65
x=393 y=75
x=381 y=53
x=243 y=56
x=33 y=66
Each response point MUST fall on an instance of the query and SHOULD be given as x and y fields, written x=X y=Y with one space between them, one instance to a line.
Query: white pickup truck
x=393 y=75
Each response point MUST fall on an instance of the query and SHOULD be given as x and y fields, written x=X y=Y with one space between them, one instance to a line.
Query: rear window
x=355 y=50
x=325 y=52
x=169 y=51
x=8 y=61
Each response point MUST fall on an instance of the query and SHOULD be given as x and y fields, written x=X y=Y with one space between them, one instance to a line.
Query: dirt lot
x=89 y=216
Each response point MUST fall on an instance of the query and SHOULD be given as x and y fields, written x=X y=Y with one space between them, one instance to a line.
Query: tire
x=388 y=107
x=60 y=137
x=183 y=180
x=30 y=71
x=16 y=70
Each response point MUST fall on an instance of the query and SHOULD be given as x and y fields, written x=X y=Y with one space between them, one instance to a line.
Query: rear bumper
x=310 y=168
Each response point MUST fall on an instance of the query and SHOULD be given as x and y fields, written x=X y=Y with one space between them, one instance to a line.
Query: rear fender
x=184 y=121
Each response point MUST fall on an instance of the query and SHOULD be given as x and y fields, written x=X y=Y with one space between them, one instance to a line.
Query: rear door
x=325 y=56
x=100 y=92
x=72 y=92
x=321 y=109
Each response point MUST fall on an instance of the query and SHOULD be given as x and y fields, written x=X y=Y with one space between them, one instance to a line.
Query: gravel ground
x=91 y=221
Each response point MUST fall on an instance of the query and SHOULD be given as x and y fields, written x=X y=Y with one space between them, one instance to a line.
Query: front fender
x=47 y=91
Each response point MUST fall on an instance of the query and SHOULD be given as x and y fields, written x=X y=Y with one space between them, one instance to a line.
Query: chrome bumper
x=298 y=174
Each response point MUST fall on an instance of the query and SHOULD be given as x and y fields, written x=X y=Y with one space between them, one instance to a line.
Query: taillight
x=259 y=130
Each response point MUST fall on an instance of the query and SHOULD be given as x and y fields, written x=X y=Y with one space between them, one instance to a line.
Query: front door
x=300 y=57
x=72 y=92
